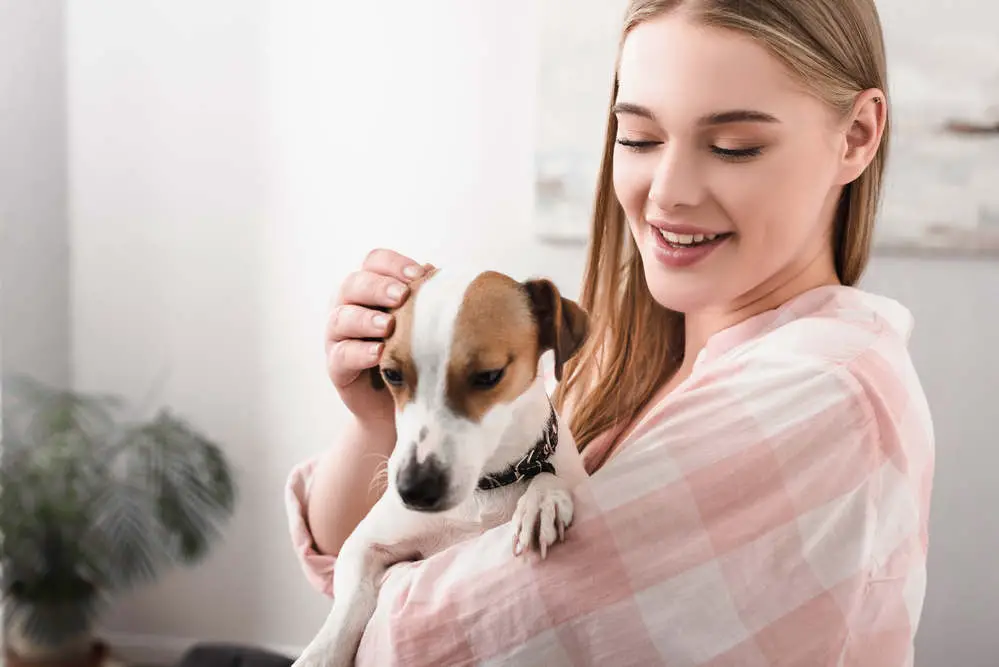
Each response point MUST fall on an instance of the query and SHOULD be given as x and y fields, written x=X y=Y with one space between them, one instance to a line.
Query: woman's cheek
x=632 y=181
x=743 y=196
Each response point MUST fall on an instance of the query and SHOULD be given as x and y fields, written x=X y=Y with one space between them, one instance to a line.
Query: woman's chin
x=680 y=293
x=677 y=302
x=686 y=294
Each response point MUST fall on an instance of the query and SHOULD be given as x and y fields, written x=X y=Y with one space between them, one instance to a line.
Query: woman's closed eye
x=731 y=154
x=737 y=153
x=637 y=144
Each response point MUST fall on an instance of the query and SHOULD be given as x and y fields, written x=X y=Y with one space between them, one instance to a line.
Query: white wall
x=172 y=278
x=34 y=289
x=231 y=161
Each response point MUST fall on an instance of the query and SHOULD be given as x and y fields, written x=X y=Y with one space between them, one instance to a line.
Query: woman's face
x=729 y=173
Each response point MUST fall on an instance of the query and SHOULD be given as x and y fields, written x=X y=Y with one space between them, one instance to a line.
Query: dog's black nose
x=422 y=485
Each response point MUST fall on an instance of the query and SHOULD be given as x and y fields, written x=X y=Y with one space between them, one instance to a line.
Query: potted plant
x=92 y=503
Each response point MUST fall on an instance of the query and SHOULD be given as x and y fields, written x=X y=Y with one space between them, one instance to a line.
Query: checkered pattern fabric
x=772 y=510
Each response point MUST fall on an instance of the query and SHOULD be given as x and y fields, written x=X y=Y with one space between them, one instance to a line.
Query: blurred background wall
x=183 y=186
x=34 y=210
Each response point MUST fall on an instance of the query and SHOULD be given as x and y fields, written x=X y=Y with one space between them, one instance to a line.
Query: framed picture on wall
x=941 y=191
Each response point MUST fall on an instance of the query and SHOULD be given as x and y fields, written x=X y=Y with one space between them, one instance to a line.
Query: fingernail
x=413 y=271
x=395 y=291
x=375 y=349
x=380 y=321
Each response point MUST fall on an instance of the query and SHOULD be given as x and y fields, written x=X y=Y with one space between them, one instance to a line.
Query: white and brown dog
x=479 y=443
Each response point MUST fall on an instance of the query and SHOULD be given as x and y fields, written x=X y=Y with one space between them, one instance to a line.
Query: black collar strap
x=534 y=462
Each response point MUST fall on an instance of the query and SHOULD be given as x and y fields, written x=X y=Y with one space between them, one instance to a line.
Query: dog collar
x=534 y=462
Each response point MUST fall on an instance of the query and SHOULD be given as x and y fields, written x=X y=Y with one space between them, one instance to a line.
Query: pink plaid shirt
x=772 y=510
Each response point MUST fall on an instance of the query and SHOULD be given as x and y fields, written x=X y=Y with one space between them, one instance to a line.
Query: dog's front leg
x=386 y=536
x=543 y=513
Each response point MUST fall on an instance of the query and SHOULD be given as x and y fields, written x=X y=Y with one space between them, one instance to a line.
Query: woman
x=759 y=447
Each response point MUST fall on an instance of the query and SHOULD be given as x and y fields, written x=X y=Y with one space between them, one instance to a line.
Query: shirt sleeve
x=318 y=567
x=744 y=523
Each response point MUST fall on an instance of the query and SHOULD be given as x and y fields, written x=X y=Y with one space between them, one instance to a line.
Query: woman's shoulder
x=835 y=324
x=861 y=337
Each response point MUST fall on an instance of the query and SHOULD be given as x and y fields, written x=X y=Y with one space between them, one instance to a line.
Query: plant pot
x=82 y=649
x=96 y=656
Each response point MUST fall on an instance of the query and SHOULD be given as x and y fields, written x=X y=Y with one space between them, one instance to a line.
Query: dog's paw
x=543 y=514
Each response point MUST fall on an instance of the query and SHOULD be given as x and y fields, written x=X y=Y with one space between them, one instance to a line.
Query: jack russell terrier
x=478 y=441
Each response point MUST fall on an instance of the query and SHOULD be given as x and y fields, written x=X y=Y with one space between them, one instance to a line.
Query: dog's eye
x=487 y=379
x=392 y=376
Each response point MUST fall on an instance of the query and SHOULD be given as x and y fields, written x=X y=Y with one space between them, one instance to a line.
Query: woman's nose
x=676 y=181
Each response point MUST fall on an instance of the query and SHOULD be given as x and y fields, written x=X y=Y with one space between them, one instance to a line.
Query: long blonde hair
x=836 y=49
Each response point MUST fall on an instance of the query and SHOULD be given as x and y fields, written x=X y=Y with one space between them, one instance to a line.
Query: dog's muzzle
x=423 y=486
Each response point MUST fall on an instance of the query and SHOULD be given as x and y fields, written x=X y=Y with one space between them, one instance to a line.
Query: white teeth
x=685 y=239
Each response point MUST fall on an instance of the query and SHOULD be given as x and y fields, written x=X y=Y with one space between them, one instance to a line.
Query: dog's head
x=462 y=357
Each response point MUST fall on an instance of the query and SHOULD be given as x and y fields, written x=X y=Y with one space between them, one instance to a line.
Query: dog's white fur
x=541 y=508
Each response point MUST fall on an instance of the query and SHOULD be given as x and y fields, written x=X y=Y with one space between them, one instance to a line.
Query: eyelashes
x=737 y=154
x=637 y=145
x=733 y=154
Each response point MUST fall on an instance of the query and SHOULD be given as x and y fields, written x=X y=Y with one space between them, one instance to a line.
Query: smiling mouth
x=690 y=240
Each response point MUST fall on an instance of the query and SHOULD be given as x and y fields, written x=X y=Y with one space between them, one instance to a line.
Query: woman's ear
x=864 y=132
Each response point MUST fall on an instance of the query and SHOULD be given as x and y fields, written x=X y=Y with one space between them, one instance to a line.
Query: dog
x=478 y=442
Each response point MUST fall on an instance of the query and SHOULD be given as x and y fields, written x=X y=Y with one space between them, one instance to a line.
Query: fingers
x=349 y=358
x=353 y=321
x=364 y=288
x=374 y=288
x=392 y=264
x=381 y=283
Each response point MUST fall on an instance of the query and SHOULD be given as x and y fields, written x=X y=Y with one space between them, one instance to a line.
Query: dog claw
x=542 y=516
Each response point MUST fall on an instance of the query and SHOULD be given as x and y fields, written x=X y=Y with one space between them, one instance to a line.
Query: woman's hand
x=356 y=327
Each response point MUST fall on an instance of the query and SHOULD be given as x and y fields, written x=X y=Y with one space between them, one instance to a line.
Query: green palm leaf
x=92 y=504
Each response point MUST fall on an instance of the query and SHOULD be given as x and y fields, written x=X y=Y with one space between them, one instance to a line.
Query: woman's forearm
x=347 y=482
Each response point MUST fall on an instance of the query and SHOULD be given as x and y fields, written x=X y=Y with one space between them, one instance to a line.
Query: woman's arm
x=345 y=485
x=766 y=514
x=327 y=497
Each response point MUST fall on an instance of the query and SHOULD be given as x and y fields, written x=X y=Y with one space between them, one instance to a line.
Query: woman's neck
x=785 y=285
x=819 y=270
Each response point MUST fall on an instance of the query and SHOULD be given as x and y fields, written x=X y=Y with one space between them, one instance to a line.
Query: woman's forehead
x=680 y=69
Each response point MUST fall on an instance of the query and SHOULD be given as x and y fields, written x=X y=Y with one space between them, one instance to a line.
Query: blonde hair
x=835 y=48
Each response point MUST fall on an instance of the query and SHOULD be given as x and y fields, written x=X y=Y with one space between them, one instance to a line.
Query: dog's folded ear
x=562 y=324
x=377 y=381
x=375 y=373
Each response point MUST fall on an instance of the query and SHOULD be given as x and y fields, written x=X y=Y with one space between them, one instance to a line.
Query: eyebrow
x=718 y=118
x=737 y=116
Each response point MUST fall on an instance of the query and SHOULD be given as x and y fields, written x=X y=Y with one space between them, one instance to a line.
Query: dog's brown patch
x=398 y=353
x=495 y=330
x=502 y=325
